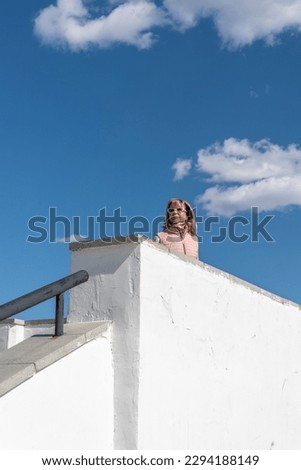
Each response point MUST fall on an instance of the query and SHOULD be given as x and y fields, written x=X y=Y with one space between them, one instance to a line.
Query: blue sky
x=124 y=104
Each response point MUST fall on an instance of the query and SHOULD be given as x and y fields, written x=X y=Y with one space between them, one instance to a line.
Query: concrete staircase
x=23 y=361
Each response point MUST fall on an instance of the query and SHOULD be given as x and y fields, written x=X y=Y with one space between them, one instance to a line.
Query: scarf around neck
x=178 y=228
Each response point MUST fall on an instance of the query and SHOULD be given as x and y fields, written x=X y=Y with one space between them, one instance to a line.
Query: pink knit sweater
x=173 y=241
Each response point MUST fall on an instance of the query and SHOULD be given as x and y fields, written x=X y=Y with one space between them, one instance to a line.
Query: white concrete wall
x=112 y=293
x=68 y=405
x=201 y=359
x=220 y=361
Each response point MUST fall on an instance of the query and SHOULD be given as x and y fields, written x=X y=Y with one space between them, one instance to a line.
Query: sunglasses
x=171 y=210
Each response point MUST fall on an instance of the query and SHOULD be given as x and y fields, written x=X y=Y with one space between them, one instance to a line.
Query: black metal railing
x=55 y=289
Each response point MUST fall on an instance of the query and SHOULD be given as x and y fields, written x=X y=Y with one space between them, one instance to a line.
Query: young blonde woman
x=179 y=231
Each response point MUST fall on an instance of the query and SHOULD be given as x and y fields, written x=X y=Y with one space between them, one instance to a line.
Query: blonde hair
x=191 y=225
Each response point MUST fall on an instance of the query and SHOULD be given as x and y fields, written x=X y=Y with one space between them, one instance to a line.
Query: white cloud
x=242 y=161
x=244 y=174
x=267 y=194
x=70 y=23
x=181 y=168
x=239 y=22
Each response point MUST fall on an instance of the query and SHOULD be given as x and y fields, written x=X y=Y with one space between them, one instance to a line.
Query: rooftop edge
x=138 y=239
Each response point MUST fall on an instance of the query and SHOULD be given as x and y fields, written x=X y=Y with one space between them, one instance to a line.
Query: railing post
x=59 y=315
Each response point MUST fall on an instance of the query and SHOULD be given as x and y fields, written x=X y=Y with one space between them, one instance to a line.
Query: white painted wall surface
x=220 y=362
x=112 y=293
x=201 y=359
x=68 y=405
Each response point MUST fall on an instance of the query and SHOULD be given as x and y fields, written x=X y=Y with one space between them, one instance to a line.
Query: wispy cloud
x=181 y=167
x=75 y=24
x=244 y=174
x=253 y=93
x=72 y=238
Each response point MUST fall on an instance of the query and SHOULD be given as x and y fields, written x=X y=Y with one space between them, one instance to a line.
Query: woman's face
x=177 y=212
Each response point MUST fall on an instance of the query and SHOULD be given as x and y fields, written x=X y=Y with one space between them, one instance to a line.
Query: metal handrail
x=55 y=289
